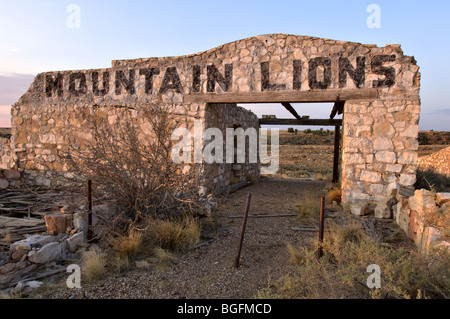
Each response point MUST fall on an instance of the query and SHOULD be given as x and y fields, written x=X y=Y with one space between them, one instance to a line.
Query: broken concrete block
x=74 y=241
x=384 y=207
x=34 y=241
x=360 y=208
x=4 y=183
x=49 y=252
x=80 y=221
x=19 y=253
x=422 y=201
x=57 y=223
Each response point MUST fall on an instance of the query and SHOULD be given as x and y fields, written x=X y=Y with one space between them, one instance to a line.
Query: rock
x=6 y=279
x=74 y=241
x=4 y=183
x=422 y=201
x=24 y=289
x=30 y=286
x=49 y=252
x=80 y=221
x=16 y=292
x=360 y=208
x=11 y=174
x=384 y=207
x=19 y=254
x=142 y=264
x=6 y=268
x=443 y=197
x=431 y=237
x=57 y=223
x=34 y=241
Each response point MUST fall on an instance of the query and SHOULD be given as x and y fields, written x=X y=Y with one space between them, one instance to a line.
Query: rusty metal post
x=321 y=227
x=241 y=236
x=90 y=232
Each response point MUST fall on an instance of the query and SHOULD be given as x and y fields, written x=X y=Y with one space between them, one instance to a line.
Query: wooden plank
x=263 y=215
x=312 y=96
x=289 y=107
x=311 y=122
x=20 y=222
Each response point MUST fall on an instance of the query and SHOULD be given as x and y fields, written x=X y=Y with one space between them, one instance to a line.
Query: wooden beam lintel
x=313 y=96
x=311 y=122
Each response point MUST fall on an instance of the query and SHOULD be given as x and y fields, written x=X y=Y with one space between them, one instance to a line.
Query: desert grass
x=342 y=271
x=308 y=208
x=93 y=267
x=127 y=246
x=173 y=234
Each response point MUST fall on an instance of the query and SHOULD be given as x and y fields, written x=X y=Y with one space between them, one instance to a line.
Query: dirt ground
x=207 y=272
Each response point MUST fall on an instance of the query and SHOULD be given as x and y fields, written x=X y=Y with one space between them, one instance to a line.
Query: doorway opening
x=309 y=137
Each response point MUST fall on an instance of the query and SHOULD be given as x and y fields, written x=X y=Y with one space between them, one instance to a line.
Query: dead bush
x=126 y=152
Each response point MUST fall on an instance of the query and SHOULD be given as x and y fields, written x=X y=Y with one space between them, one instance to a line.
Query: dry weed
x=175 y=235
x=94 y=264
x=309 y=207
x=342 y=271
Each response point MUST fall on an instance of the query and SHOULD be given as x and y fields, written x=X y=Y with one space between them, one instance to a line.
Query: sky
x=38 y=36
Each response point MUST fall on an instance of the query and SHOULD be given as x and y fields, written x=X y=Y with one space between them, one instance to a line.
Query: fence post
x=321 y=227
x=241 y=236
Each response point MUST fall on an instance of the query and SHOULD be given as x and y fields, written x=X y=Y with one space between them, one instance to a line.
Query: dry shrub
x=93 y=265
x=128 y=156
x=342 y=271
x=334 y=195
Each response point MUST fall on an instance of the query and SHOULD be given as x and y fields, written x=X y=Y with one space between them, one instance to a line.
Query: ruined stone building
x=377 y=87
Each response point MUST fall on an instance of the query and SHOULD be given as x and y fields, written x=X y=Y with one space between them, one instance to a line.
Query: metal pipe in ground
x=321 y=227
x=241 y=236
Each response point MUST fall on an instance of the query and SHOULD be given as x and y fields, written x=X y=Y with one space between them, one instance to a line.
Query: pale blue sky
x=34 y=37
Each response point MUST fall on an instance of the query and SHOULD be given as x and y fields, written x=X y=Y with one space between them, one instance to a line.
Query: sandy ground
x=208 y=271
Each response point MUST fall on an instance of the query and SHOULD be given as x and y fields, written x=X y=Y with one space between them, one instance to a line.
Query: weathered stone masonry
x=379 y=84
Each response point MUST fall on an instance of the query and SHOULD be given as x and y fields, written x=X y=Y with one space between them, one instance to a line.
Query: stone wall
x=425 y=219
x=7 y=156
x=223 y=116
x=379 y=149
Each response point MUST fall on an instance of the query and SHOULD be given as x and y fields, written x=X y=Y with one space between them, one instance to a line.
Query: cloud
x=13 y=86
